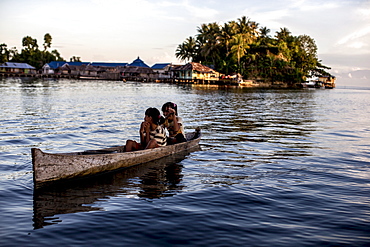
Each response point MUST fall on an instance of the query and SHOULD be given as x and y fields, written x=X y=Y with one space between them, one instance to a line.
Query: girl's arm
x=144 y=134
x=176 y=126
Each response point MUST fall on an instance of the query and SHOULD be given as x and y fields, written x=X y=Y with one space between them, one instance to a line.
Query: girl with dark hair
x=152 y=134
x=173 y=123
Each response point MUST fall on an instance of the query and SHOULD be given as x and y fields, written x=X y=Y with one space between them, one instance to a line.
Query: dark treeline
x=243 y=47
x=31 y=53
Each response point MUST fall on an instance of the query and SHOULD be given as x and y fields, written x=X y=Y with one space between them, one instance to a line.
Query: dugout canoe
x=52 y=167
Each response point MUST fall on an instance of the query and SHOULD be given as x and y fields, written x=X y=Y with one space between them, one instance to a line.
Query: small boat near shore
x=327 y=82
x=52 y=167
x=312 y=84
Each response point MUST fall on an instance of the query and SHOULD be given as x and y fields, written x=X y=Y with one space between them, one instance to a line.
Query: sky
x=122 y=30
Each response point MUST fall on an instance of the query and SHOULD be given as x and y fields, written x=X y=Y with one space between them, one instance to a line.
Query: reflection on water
x=234 y=117
x=156 y=179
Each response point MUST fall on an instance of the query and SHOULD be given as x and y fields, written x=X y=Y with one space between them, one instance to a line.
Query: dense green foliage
x=30 y=53
x=243 y=47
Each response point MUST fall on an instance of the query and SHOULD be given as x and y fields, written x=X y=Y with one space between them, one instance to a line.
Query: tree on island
x=31 y=53
x=243 y=47
x=7 y=54
x=75 y=59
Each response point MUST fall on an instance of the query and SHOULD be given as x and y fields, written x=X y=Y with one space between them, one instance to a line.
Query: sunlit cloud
x=195 y=10
x=304 y=5
x=364 y=12
x=201 y=12
x=271 y=19
x=355 y=35
x=357 y=45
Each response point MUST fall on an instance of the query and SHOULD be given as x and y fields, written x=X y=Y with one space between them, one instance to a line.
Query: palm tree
x=283 y=34
x=47 y=41
x=265 y=32
x=180 y=52
x=226 y=33
x=208 y=39
x=243 y=25
x=254 y=29
x=239 y=46
x=187 y=50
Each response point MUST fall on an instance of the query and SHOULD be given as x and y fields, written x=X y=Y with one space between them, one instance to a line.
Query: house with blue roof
x=57 y=66
x=17 y=68
x=162 y=70
x=161 y=66
x=137 y=70
x=138 y=63
x=52 y=67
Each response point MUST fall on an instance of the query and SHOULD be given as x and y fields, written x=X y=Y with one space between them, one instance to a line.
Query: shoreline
x=195 y=83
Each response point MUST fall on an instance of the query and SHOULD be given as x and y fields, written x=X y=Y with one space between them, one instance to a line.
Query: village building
x=134 y=73
x=55 y=67
x=108 y=71
x=52 y=67
x=88 y=72
x=162 y=71
x=328 y=81
x=10 y=68
x=195 y=73
x=137 y=71
x=139 y=63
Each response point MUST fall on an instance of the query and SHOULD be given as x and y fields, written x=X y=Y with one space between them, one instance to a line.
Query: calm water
x=275 y=168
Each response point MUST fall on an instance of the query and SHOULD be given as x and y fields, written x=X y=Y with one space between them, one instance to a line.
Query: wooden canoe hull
x=49 y=167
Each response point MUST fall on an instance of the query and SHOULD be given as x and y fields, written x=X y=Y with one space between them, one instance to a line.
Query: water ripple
x=276 y=167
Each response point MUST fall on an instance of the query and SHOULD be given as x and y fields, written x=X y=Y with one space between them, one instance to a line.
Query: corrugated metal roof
x=138 y=63
x=108 y=64
x=196 y=67
x=56 y=64
x=160 y=65
x=16 y=65
x=78 y=63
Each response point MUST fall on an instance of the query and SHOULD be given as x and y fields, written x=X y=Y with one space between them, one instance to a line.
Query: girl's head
x=154 y=114
x=168 y=105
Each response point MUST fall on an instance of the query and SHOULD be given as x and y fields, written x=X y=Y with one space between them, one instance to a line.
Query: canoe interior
x=120 y=149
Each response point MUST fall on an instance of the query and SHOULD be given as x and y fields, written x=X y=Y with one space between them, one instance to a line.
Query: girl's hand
x=142 y=127
x=146 y=127
x=171 y=112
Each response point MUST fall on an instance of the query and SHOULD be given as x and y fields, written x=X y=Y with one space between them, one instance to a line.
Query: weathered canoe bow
x=49 y=167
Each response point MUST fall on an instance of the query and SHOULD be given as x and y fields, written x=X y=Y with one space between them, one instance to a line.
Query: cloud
x=271 y=19
x=308 y=6
x=355 y=35
x=344 y=63
x=200 y=12
x=192 y=10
